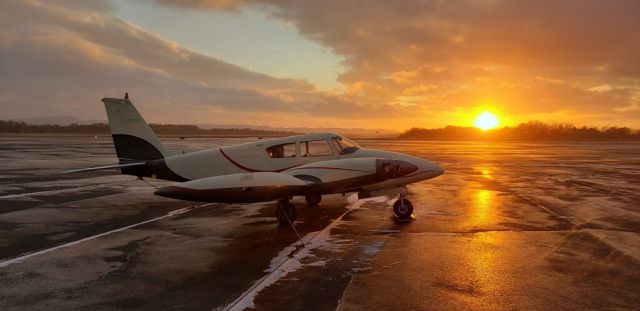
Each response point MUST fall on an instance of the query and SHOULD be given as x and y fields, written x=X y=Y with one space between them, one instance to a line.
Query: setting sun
x=486 y=121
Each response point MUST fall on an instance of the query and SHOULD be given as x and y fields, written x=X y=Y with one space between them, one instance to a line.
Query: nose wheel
x=403 y=208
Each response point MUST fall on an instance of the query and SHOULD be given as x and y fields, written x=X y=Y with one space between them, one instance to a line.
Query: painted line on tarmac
x=293 y=262
x=60 y=191
x=245 y=300
x=46 y=192
x=8 y=262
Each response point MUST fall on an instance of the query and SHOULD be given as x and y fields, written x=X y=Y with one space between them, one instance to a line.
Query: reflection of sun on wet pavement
x=485 y=171
x=483 y=211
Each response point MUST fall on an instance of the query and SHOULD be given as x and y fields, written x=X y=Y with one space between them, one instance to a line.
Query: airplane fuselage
x=286 y=155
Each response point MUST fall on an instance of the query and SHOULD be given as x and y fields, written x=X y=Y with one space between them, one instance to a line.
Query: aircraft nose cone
x=438 y=170
x=167 y=192
x=430 y=169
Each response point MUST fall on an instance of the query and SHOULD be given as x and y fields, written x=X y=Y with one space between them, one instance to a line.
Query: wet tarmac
x=543 y=226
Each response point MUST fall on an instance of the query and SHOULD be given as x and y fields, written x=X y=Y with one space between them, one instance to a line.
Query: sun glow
x=486 y=121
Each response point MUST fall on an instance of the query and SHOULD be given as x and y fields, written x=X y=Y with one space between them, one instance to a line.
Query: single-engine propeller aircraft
x=278 y=169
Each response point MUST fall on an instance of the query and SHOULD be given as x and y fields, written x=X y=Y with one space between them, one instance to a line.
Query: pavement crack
x=129 y=251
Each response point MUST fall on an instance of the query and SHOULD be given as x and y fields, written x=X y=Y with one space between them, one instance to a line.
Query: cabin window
x=315 y=148
x=345 y=146
x=282 y=151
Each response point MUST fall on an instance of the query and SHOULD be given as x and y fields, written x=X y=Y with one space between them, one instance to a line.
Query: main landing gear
x=403 y=208
x=313 y=199
x=286 y=212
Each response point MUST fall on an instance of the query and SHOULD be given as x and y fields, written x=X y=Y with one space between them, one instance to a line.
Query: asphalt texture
x=509 y=226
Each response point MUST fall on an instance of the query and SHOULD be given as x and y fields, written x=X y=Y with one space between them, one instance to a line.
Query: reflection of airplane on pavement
x=306 y=165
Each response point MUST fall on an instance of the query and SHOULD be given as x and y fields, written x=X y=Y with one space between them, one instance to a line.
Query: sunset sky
x=332 y=63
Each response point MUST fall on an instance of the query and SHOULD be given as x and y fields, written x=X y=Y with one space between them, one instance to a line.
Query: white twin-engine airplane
x=277 y=169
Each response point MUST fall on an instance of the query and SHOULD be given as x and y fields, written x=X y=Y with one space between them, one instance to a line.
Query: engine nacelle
x=345 y=175
x=237 y=188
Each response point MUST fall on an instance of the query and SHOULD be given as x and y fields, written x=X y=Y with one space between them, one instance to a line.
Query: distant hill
x=59 y=120
x=533 y=130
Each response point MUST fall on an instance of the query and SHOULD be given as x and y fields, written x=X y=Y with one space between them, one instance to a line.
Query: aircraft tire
x=313 y=199
x=403 y=209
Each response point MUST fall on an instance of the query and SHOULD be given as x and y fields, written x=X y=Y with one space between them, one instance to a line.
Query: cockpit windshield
x=345 y=146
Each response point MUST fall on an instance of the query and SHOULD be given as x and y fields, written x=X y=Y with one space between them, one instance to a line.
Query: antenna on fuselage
x=126 y=95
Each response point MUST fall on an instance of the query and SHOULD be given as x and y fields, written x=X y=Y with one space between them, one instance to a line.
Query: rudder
x=132 y=136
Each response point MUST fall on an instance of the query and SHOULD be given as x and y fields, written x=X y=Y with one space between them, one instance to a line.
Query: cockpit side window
x=282 y=151
x=315 y=148
x=345 y=146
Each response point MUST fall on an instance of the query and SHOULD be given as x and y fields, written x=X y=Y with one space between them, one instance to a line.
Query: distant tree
x=532 y=130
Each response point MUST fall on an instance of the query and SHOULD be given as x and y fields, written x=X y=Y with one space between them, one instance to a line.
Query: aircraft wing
x=333 y=176
x=105 y=167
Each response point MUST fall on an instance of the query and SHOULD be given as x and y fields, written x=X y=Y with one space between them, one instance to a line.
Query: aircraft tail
x=132 y=136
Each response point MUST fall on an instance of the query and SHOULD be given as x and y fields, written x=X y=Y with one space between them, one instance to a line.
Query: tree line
x=160 y=129
x=533 y=130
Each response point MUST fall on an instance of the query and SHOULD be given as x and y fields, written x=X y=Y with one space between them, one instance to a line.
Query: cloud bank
x=563 y=60
x=60 y=59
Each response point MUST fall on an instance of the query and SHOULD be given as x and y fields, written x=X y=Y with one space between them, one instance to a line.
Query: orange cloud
x=532 y=58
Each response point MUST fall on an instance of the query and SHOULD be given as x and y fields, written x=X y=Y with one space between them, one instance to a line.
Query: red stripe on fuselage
x=328 y=168
x=248 y=169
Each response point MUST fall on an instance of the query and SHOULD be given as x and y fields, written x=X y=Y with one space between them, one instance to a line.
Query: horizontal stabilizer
x=106 y=167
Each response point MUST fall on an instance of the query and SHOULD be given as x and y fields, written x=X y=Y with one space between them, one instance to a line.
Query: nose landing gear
x=403 y=208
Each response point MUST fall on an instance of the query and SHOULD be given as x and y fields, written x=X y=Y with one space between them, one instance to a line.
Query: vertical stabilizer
x=132 y=136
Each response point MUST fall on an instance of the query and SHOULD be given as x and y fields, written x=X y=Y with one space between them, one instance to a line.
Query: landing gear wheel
x=286 y=210
x=313 y=199
x=403 y=209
